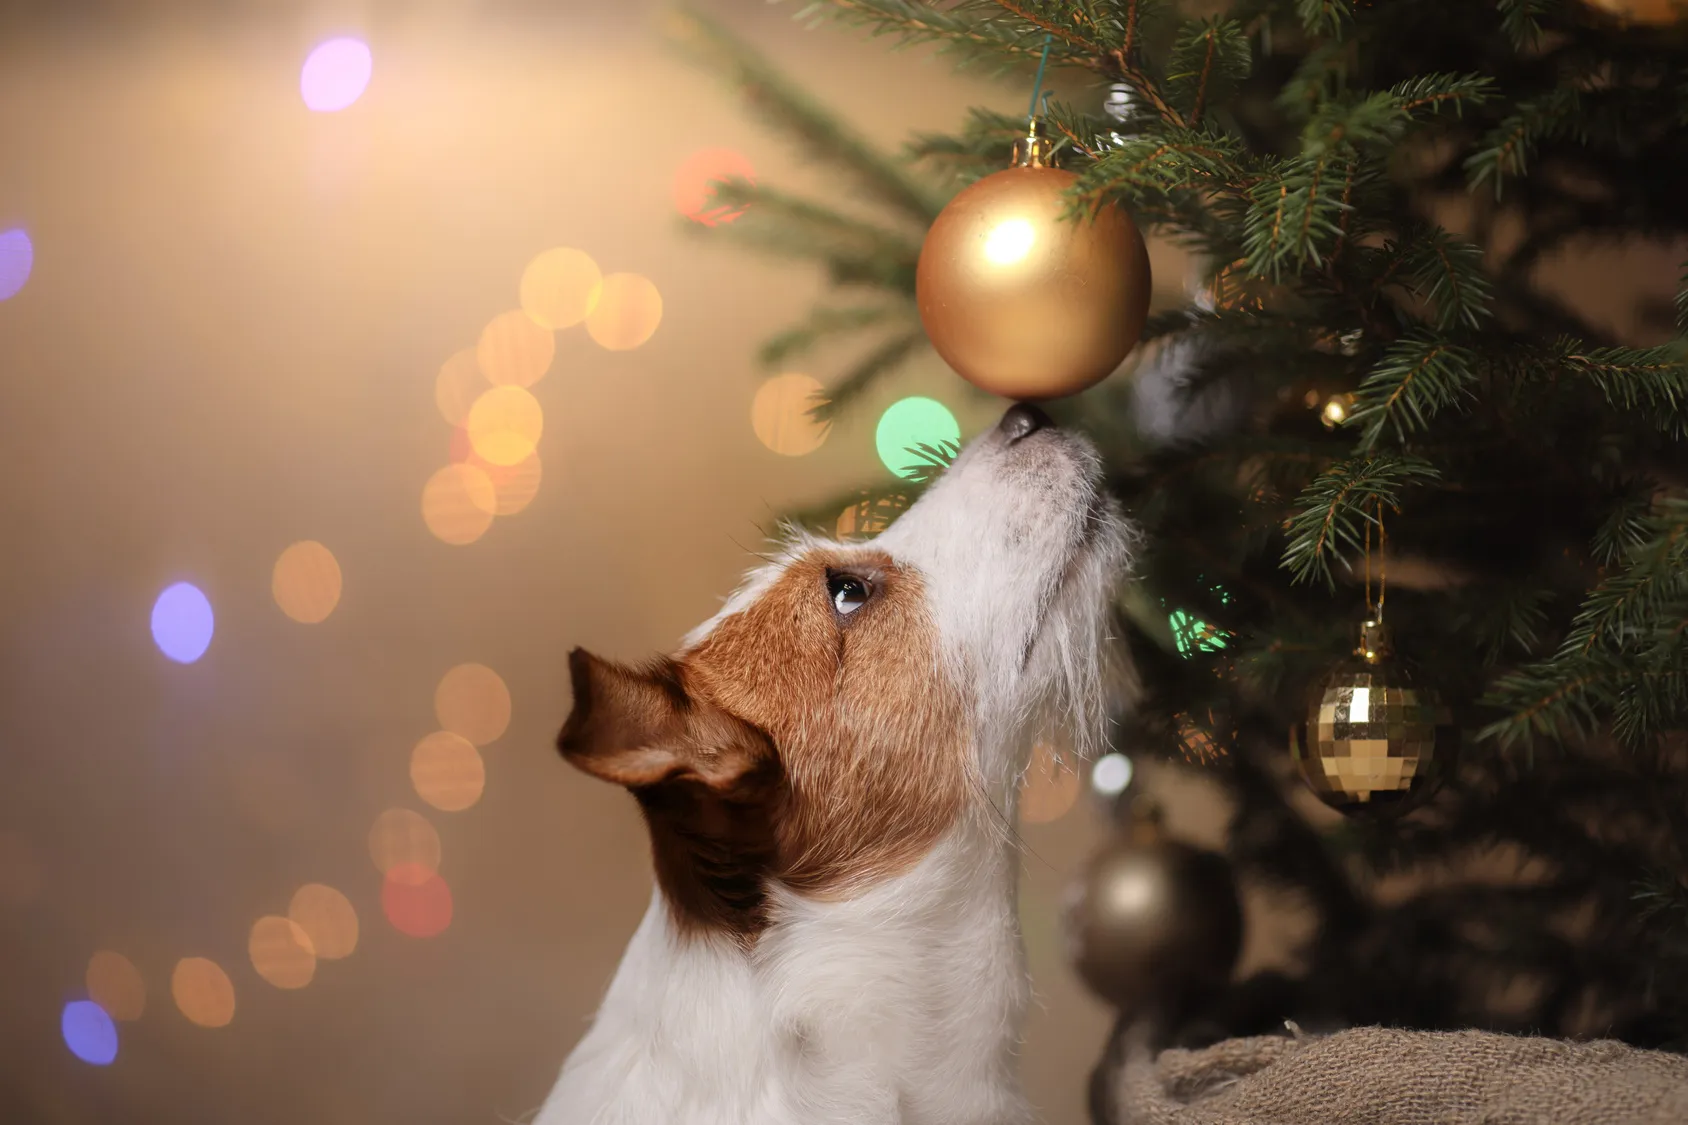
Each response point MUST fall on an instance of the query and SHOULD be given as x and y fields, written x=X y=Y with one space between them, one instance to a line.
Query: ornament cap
x=1375 y=645
x=1035 y=149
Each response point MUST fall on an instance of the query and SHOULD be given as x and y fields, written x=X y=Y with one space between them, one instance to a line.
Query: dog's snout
x=1021 y=421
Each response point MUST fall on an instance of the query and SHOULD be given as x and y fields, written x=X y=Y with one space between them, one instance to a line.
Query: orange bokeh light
x=458 y=385
x=514 y=351
x=458 y=504
x=514 y=486
x=473 y=701
x=696 y=179
x=628 y=312
x=404 y=838
x=203 y=991
x=779 y=414
x=306 y=582
x=281 y=952
x=328 y=919
x=447 y=771
x=116 y=985
x=504 y=426
x=416 y=901
x=560 y=287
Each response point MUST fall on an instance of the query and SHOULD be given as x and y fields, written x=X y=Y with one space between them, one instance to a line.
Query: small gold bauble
x=1152 y=922
x=1022 y=300
x=1373 y=741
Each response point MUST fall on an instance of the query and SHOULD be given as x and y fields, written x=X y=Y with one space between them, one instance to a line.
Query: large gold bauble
x=1651 y=13
x=1153 y=923
x=1023 y=300
x=1373 y=741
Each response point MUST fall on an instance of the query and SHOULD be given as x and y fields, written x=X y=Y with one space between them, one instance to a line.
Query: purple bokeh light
x=336 y=74
x=182 y=623
x=89 y=1032
x=17 y=258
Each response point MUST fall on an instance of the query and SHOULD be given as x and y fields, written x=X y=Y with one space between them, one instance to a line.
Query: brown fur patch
x=793 y=743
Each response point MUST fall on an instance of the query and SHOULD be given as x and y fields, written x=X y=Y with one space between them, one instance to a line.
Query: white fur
x=901 y=1005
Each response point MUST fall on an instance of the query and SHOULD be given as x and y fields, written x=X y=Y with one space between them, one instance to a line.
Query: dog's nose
x=1022 y=421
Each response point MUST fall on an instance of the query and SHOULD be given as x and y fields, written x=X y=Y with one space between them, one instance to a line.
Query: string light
x=17 y=261
x=780 y=415
x=182 y=622
x=909 y=423
x=336 y=74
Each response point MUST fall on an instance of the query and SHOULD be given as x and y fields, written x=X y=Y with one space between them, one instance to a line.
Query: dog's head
x=852 y=704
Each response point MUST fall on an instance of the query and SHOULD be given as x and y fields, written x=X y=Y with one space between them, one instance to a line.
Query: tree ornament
x=1650 y=13
x=1374 y=741
x=1020 y=298
x=1151 y=923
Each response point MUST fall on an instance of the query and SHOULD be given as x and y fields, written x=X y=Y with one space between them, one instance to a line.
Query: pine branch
x=1324 y=17
x=1419 y=376
x=827 y=323
x=1653 y=379
x=959 y=30
x=1521 y=20
x=1682 y=301
x=1341 y=501
x=860 y=378
x=854 y=251
x=789 y=110
x=1447 y=271
x=1506 y=150
x=1208 y=59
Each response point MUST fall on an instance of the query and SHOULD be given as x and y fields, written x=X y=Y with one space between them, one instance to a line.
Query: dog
x=828 y=770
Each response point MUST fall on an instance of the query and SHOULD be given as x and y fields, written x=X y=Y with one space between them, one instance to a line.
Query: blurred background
x=287 y=594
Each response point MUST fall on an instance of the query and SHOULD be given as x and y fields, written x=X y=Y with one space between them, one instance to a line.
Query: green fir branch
x=1447 y=272
x=1521 y=20
x=826 y=323
x=866 y=373
x=1505 y=152
x=1324 y=17
x=1419 y=376
x=1207 y=60
x=1332 y=511
x=1634 y=379
x=787 y=109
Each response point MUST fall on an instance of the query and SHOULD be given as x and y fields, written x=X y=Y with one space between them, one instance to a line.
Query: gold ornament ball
x=1023 y=300
x=1651 y=13
x=1373 y=742
x=1152 y=923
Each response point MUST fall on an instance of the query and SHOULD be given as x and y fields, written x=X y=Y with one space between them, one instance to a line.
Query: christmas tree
x=1370 y=383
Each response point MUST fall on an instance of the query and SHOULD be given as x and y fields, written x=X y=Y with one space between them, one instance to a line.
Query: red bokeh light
x=695 y=181
x=416 y=900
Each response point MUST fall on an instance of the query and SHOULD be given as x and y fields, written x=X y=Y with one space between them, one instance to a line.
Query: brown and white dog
x=828 y=769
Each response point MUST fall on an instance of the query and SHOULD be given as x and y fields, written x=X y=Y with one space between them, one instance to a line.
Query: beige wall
x=229 y=344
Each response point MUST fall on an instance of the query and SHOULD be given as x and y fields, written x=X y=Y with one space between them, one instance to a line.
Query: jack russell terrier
x=828 y=770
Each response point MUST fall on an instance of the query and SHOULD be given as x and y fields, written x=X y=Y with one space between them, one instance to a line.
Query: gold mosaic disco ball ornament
x=1020 y=298
x=1374 y=742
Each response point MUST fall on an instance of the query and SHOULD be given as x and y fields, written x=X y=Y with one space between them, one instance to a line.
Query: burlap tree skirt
x=1374 y=1076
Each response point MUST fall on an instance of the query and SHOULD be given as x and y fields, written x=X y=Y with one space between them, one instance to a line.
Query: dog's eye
x=848 y=592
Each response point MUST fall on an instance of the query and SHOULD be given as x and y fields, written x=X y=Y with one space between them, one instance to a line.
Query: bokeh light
x=21 y=877
x=869 y=516
x=911 y=422
x=281 y=952
x=458 y=504
x=458 y=385
x=560 y=287
x=404 y=838
x=328 y=919
x=1111 y=774
x=336 y=74
x=89 y=1032
x=306 y=582
x=628 y=311
x=696 y=179
x=504 y=425
x=203 y=991
x=514 y=351
x=1050 y=788
x=780 y=415
x=416 y=900
x=182 y=622
x=116 y=985
x=17 y=259
x=471 y=700
x=447 y=771
x=516 y=485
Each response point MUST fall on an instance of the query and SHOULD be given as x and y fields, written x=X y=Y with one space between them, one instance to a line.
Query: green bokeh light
x=911 y=422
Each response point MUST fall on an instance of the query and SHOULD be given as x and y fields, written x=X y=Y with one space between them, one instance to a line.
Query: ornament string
x=1037 y=83
x=1382 y=574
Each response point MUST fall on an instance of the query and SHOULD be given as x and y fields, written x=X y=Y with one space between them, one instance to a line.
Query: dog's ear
x=637 y=727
